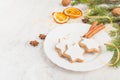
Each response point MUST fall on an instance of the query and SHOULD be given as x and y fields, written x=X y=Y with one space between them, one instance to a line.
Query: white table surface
x=22 y=21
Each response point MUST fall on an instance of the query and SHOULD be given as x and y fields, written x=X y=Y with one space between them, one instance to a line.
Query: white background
x=22 y=21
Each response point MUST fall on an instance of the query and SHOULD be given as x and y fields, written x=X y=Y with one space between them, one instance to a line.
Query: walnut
x=34 y=43
x=66 y=2
x=42 y=36
x=116 y=11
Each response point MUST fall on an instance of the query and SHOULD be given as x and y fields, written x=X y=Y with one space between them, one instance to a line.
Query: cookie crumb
x=34 y=43
x=42 y=36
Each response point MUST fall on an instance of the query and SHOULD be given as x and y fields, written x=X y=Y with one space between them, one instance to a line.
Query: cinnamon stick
x=90 y=31
x=94 y=31
x=93 y=25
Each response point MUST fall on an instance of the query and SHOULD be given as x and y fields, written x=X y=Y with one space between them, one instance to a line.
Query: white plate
x=77 y=29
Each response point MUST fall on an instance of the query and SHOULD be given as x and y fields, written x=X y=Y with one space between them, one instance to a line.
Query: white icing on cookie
x=91 y=44
x=75 y=52
x=62 y=42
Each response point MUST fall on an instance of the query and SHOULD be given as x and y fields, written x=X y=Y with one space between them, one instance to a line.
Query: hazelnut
x=66 y=2
x=116 y=11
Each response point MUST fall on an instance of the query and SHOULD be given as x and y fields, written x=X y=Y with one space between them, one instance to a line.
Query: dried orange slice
x=73 y=12
x=60 y=17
